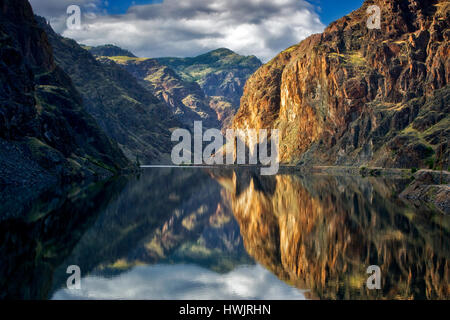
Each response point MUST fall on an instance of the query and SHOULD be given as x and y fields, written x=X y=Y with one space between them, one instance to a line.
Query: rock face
x=430 y=187
x=206 y=88
x=359 y=96
x=125 y=110
x=45 y=134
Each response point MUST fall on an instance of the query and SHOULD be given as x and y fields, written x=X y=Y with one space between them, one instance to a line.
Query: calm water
x=177 y=233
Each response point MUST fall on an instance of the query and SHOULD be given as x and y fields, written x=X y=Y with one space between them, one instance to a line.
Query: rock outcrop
x=431 y=187
x=45 y=134
x=359 y=96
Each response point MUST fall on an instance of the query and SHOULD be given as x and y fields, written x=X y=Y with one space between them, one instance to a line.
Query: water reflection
x=183 y=282
x=226 y=234
x=322 y=232
x=32 y=247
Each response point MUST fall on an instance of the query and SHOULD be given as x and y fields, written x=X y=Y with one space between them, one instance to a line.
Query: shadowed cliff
x=46 y=137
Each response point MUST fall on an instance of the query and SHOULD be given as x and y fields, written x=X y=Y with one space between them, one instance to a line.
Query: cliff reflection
x=321 y=233
x=316 y=233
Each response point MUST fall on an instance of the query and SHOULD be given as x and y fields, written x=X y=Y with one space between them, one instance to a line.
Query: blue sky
x=121 y=6
x=328 y=10
x=183 y=28
x=331 y=10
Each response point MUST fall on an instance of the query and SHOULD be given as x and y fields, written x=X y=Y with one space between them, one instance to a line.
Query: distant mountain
x=207 y=87
x=125 y=110
x=46 y=136
x=219 y=73
x=359 y=96
x=108 y=50
x=186 y=100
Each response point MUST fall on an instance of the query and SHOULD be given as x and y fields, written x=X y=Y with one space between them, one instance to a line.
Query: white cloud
x=184 y=282
x=56 y=11
x=190 y=27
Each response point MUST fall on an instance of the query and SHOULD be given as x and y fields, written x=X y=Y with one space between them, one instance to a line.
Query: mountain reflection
x=321 y=233
x=225 y=234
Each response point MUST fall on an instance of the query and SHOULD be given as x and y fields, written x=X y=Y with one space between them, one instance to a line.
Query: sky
x=184 y=28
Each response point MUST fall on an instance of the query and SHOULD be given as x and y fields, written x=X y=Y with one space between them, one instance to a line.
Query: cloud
x=56 y=11
x=184 y=282
x=190 y=27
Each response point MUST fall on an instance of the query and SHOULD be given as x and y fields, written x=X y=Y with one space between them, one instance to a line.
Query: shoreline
x=334 y=170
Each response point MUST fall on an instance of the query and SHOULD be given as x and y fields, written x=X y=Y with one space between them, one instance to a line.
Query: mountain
x=359 y=96
x=186 y=100
x=45 y=134
x=126 y=111
x=207 y=87
x=109 y=50
x=219 y=73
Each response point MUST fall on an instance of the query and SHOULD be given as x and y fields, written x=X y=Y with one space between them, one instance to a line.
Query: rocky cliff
x=45 y=134
x=359 y=96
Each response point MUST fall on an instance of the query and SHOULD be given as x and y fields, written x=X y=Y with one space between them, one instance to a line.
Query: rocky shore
x=431 y=187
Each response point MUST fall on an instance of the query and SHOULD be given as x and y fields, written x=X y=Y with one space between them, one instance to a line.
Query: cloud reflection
x=184 y=282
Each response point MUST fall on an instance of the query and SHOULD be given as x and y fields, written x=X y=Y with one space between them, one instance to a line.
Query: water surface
x=177 y=233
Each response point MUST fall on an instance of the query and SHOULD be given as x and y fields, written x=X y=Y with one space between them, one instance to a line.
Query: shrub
x=430 y=162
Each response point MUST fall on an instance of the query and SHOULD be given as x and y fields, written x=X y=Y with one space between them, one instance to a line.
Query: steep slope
x=45 y=134
x=186 y=100
x=221 y=72
x=126 y=111
x=108 y=50
x=207 y=87
x=360 y=96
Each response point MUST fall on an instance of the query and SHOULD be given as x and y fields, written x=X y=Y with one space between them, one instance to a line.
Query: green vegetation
x=430 y=163
x=197 y=68
x=123 y=59
x=350 y=59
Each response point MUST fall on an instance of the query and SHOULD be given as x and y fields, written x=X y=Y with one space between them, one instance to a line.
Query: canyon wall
x=359 y=96
x=45 y=134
